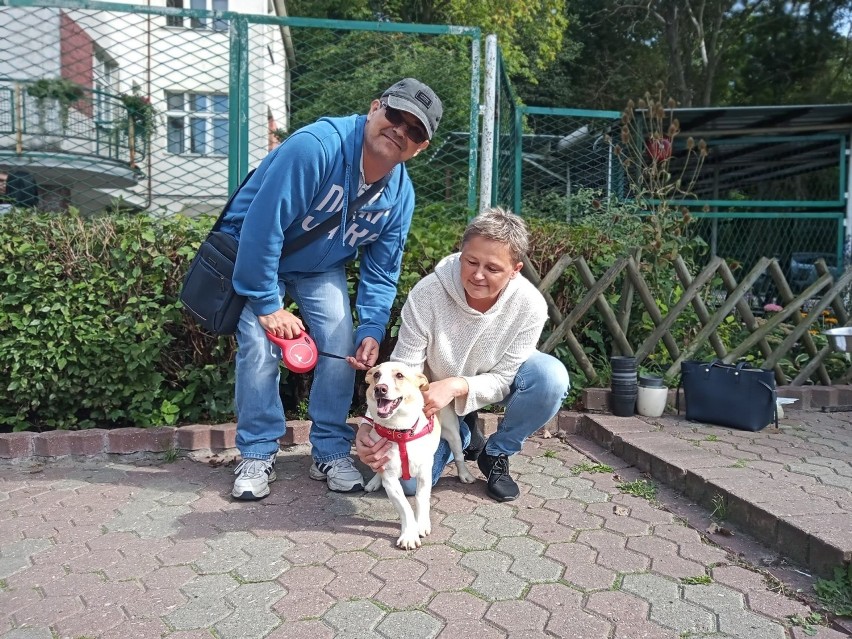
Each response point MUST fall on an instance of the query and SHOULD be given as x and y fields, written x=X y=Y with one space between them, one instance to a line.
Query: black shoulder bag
x=208 y=292
x=733 y=395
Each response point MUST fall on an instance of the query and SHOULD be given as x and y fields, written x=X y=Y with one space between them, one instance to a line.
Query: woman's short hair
x=500 y=225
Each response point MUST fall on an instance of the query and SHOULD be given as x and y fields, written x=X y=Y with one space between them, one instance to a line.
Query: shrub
x=91 y=333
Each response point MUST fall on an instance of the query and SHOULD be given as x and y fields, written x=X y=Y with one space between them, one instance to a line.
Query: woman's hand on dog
x=374 y=454
x=441 y=393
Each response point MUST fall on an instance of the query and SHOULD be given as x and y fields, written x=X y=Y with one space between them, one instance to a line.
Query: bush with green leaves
x=91 y=332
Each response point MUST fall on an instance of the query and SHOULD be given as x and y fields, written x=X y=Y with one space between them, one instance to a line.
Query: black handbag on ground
x=208 y=291
x=733 y=395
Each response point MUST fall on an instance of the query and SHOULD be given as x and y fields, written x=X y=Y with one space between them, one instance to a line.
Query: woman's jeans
x=535 y=396
x=323 y=301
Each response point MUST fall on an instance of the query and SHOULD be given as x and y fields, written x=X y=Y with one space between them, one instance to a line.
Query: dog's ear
x=424 y=383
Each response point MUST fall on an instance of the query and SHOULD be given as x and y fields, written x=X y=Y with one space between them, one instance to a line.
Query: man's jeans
x=535 y=396
x=323 y=301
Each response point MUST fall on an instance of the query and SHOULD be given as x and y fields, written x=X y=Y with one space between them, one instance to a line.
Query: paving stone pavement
x=790 y=487
x=111 y=549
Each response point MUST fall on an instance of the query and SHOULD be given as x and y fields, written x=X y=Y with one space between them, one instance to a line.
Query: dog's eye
x=400 y=376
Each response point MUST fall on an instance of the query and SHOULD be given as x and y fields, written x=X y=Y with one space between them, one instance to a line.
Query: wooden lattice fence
x=825 y=293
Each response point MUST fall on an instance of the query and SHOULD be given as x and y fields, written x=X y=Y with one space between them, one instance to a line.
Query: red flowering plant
x=658 y=169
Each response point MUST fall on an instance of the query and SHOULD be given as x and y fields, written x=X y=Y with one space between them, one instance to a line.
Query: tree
x=530 y=32
x=709 y=52
x=606 y=56
x=792 y=53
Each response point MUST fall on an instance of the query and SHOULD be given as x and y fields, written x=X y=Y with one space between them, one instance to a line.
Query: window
x=197 y=123
x=174 y=21
x=105 y=84
x=198 y=23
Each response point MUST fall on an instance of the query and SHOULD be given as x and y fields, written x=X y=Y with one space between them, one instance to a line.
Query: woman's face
x=486 y=268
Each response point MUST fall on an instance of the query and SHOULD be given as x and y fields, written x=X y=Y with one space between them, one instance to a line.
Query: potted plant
x=138 y=124
x=141 y=113
x=54 y=96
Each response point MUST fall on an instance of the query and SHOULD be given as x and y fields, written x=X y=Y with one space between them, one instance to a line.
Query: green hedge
x=92 y=334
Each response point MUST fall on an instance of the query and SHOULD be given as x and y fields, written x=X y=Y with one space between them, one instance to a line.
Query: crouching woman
x=472 y=326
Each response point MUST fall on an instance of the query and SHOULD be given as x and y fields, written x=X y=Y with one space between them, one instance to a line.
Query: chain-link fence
x=163 y=108
x=774 y=196
x=546 y=157
x=755 y=195
x=506 y=187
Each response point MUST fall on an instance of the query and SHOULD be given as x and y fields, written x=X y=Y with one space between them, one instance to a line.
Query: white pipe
x=847 y=248
x=486 y=156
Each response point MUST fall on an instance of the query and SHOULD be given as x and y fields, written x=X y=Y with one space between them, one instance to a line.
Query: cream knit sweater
x=444 y=337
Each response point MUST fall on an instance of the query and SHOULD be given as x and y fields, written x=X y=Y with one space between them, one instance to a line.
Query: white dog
x=395 y=405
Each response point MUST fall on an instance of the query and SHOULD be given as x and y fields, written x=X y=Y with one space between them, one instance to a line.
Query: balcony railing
x=98 y=124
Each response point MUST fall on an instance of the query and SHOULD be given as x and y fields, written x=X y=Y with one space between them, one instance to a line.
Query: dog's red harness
x=402 y=437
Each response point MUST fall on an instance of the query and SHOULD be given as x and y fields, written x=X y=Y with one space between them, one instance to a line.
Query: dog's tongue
x=386 y=406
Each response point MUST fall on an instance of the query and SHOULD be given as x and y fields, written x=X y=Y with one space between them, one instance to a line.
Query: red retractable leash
x=299 y=354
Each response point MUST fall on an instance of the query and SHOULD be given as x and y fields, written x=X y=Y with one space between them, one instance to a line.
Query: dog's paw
x=465 y=476
x=425 y=528
x=374 y=484
x=408 y=540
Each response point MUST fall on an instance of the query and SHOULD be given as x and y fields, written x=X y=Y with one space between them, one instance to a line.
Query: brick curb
x=207 y=439
x=696 y=474
x=217 y=438
x=596 y=400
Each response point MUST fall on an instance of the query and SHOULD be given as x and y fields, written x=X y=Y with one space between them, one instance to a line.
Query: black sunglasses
x=413 y=132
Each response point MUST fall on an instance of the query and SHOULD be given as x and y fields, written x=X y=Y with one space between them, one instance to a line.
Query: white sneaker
x=341 y=475
x=253 y=478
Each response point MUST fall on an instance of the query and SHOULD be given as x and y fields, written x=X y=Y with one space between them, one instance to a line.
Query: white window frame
x=198 y=23
x=194 y=124
x=105 y=81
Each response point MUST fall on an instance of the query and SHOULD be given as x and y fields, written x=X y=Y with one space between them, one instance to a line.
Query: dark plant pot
x=623 y=364
x=622 y=405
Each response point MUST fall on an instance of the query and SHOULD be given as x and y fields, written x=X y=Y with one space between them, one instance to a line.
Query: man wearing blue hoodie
x=316 y=173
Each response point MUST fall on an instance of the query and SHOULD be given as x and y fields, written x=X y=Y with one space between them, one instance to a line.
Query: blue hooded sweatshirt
x=314 y=174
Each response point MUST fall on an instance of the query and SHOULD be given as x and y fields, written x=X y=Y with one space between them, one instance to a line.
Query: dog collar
x=402 y=437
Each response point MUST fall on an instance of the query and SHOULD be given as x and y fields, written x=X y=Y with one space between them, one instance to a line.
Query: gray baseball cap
x=418 y=99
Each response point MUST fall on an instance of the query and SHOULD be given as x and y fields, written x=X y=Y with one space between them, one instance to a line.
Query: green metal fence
x=756 y=195
x=547 y=156
x=165 y=109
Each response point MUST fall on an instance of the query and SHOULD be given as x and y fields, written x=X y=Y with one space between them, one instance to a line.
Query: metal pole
x=19 y=118
x=519 y=157
x=238 y=104
x=475 y=63
x=486 y=157
x=714 y=224
x=847 y=249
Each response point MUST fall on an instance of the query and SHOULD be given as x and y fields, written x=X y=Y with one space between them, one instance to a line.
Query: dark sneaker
x=477 y=438
x=340 y=474
x=496 y=470
x=253 y=478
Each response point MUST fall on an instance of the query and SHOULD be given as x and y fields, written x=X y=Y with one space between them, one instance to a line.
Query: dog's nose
x=381 y=390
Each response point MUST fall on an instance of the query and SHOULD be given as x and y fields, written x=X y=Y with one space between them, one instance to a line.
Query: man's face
x=389 y=132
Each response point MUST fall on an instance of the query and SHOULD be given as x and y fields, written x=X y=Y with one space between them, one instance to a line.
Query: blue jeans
x=323 y=300
x=535 y=396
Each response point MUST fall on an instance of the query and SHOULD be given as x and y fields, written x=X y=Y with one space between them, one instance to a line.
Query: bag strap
x=325 y=226
x=774 y=393
x=231 y=199
x=319 y=229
